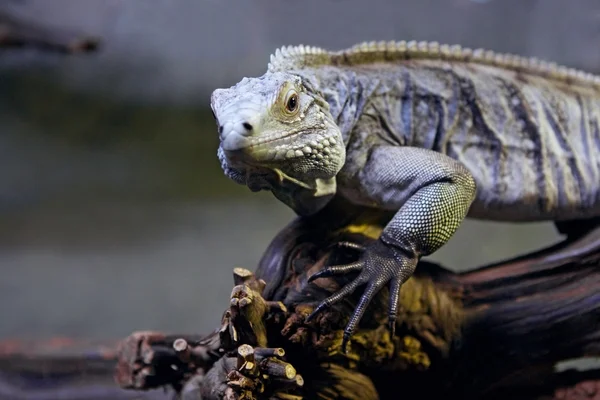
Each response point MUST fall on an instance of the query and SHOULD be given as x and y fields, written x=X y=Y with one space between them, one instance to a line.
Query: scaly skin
x=435 y=133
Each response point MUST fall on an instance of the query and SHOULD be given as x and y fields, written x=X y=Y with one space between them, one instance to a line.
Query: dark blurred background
x=114 y=213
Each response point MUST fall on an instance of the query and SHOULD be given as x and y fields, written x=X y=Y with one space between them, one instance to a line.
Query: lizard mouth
x=235 y=141
x=281 y=137
x=275 y=148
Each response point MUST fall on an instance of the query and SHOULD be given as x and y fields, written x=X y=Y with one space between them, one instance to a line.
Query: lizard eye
x=291 y=103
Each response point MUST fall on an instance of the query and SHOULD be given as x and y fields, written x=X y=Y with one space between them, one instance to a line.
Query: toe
x=336 y=297
x=395 y=285
x=360 y=309
x=336 y=270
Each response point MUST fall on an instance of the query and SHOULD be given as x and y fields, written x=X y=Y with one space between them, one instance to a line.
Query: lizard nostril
x=220 y=129
x=247 y=126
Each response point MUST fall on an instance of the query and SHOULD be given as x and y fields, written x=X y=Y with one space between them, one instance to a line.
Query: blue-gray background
x=114 y=214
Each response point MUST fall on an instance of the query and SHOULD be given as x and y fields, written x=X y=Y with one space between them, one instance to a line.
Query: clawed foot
x=378 y=265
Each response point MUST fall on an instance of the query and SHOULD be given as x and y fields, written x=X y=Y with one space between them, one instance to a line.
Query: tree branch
x=19 y=33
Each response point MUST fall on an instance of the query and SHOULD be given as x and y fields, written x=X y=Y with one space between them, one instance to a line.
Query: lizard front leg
x=432 y=193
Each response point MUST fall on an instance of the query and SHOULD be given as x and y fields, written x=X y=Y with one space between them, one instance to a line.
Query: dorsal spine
x=297 y=57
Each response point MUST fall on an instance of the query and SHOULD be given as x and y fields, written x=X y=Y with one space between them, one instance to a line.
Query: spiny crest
x=297 y=57
x=294 y=57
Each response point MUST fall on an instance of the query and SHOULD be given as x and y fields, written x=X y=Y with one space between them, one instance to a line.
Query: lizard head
x=277 y=134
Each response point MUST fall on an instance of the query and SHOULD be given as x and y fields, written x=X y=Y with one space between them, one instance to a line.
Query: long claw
x=336 y=270
x=317 y=310
x=345 y=340
x=395 y=285
x=334 y=298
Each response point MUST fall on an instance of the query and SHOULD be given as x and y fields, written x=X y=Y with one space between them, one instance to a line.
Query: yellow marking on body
x=369 y=230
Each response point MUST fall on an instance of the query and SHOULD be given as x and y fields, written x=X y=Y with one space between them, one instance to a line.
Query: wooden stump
x=494 y=332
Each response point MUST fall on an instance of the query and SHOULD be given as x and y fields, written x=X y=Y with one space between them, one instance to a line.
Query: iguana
x=434 y=133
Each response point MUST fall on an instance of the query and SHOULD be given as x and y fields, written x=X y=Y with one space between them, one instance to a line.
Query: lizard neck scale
x=297 y=57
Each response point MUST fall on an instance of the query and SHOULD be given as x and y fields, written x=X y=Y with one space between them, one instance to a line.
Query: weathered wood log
x=495 y=332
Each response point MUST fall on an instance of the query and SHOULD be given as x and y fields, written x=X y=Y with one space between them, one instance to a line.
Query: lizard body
x=435 y=133
x=531 y=146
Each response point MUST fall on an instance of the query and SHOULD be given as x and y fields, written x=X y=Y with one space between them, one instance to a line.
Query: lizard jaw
x=235 y=141
x=320 y=147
